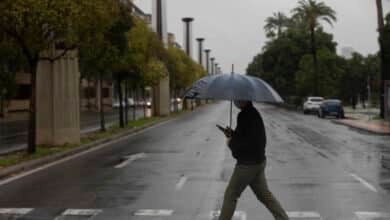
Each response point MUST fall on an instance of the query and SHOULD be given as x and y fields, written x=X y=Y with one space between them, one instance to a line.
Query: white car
x=312 y=104
x=130 y=102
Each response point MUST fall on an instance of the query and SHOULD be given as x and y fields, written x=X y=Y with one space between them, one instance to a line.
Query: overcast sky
x=234 y=29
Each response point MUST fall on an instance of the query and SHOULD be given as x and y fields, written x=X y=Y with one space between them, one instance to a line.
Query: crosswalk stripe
x=237 y=214
x=371 y=215
x=15 y=211
x=308 y=214
x=153 y=212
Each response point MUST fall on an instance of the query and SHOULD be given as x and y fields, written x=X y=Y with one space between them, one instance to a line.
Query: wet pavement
x=179 y=170
x=13 y=134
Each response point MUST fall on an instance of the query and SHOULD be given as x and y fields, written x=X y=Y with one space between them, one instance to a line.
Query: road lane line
x=15 y=211
x=153 y=212
x=364 y=182
x=130 y=159
x=304 y=215
x=371 y=215
x=181 y=182
x=81 y=212
x=19 y=176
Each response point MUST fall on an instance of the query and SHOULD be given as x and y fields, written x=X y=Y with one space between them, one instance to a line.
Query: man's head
x=242 y=104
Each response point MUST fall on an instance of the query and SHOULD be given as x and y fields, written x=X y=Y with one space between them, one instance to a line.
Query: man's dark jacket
x=249 y=139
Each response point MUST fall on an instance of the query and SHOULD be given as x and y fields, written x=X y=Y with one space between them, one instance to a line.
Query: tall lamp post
x=381 y=26
x=200 y=55
x=188 y=35
x=212 y=65
x=208 y=60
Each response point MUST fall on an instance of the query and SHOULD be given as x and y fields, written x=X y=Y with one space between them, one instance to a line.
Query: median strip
x=49 y=156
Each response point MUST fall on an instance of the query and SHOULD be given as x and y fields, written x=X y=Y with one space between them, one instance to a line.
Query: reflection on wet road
x=179 y=170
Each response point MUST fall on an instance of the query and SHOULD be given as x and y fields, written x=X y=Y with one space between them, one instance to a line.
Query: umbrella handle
x=231 y=109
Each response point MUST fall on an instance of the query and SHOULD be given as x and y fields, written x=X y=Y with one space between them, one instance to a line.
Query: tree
x=276 y=24
x=312 y=12
x=38 y=26
x=10 y=60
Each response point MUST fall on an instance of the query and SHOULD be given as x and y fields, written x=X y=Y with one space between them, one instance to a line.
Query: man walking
x=247 y=143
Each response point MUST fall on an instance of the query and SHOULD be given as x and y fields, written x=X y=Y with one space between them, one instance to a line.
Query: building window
x=89 y=92
x=106 y=92
x=23 y=92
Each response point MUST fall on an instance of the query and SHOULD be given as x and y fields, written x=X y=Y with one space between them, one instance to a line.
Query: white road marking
x=304 y=215
x=153 y=212
x=181 y=182
x=364 y=182
x=13 y=211
x=16 y=177
x=237 y=214
x=81 y=212
x=130 y=159
x=371 y=215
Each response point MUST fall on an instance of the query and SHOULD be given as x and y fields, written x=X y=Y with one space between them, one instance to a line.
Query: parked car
x=130 y=102
x=312 y=104
x=331 y=107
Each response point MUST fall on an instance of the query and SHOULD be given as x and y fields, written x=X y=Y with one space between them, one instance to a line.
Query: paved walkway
x=365 y=119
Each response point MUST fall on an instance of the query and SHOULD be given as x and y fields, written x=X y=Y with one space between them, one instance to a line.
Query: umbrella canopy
x=233 y=87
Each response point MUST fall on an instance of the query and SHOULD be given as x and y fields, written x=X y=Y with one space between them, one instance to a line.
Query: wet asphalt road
x=13 y=135
x=179 y=170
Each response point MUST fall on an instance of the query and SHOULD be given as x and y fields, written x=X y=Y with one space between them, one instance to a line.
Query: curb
x=361 y=129
x=33 y=164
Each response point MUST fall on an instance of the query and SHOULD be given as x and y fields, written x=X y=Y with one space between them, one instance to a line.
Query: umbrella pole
x=231 y=109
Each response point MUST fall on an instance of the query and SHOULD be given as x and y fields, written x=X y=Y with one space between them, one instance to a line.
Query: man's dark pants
x=254 y=177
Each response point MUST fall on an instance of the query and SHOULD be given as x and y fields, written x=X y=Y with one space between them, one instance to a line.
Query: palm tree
x=381 y=26
x=277 y=22
x=312 y=12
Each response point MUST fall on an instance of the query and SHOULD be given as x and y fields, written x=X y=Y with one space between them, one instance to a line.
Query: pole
x=207 y=60
x=200 y=55
x=381 y=25
x=187 y=37
x=212 y=65
x=231 y=113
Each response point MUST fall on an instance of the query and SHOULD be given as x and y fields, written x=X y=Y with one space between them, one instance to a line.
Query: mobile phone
x=221 y=128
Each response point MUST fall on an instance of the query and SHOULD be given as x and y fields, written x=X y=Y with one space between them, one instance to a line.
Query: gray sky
x=234 y=31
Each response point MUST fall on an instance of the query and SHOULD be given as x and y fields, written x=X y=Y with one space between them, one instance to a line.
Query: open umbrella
x=233 y=87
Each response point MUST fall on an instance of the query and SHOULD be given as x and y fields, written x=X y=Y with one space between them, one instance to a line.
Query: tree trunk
x=135 y=103
x=120 y=94
x=31 y=143
x=381 y=25
x=102 y=119
x=315 y=61
x=144 y=101
x=126 y=102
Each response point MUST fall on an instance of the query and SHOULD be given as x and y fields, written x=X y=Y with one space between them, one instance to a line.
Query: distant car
x=130 y=102
x=331 y=107
x=149 y=103
x=312 y=105
x=176 y=100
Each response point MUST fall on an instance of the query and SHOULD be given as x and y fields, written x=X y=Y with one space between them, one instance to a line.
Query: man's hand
x=228 y=132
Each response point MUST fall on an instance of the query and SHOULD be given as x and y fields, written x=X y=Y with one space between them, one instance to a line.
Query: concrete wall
x=387 y=100
x=94 y=101
x=58 y=111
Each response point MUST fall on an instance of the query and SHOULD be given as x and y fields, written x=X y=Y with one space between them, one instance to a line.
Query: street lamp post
x=207 y=60
x=200 y=57
x=212 y=65
x=187 y=35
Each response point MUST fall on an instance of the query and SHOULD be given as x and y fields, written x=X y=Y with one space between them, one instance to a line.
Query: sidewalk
x=366 y=120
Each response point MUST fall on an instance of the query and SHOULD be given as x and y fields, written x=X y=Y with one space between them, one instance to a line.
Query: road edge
x=379 y=133
x=27 y=166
